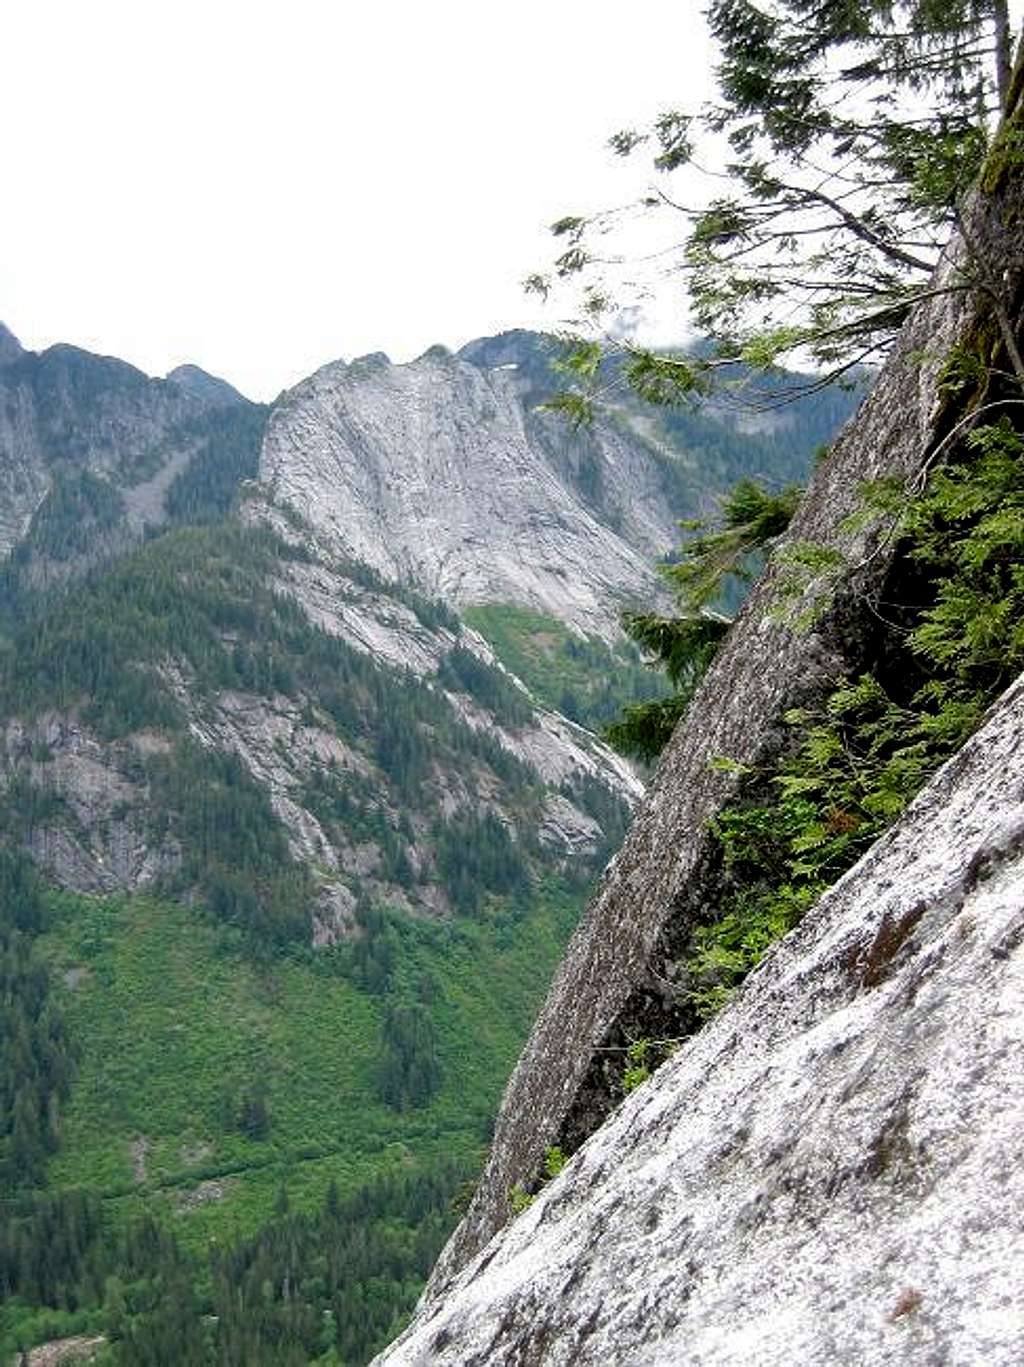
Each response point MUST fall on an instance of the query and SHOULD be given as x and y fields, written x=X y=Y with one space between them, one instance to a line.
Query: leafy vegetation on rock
x=858 y=758
x=711 y=569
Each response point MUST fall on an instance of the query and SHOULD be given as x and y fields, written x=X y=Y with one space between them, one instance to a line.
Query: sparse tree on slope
x=843 y=142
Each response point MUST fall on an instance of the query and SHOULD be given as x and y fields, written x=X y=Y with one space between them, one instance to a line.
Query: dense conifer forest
x=288 y=1187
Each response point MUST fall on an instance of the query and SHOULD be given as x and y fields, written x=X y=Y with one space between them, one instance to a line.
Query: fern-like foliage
x=865 y=752
x=725 y=551
x=751 y=520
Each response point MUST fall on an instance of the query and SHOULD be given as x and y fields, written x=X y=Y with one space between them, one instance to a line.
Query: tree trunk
x=1004 y=51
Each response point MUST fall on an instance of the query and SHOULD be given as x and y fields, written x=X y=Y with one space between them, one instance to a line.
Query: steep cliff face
x=829 y=1172
x=626 y=945
x=427 y=472
x=804 y=627
x=448 y=473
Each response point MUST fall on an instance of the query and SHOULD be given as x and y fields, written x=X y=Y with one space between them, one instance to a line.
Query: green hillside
x=185 y=1076
x=212 y=1090
x=586 y=680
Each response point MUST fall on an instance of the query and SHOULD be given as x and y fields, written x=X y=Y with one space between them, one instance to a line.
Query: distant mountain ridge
x=210 y=388
x=10 y=347
x=445 y=478
x=436 y=473
x=101 y=464
x=448 y=472
x=65 y=412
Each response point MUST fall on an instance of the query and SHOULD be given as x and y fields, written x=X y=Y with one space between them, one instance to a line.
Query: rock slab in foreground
x=830 y=1171
x=794 y=640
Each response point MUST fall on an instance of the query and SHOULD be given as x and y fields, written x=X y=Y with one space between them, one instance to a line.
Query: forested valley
x=291 y=844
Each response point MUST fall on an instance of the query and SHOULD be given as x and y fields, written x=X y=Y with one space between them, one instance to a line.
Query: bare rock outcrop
x=809 y=621
x=829 y=1172
x=439 y=474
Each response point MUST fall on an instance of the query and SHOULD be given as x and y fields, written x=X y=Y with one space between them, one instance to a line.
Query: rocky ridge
x=10 y=347
x=450 y=473
x=66 y=411
x=429 y=472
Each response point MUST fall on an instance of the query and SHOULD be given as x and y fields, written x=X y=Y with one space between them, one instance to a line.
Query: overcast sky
x=261 y=188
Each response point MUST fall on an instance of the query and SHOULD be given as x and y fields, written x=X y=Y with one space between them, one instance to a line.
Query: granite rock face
x=441 y=473
x=612 y=982
x=811 y=620
x=829 y=1172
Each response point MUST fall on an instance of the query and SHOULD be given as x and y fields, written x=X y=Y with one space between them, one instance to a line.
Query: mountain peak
x=210 y=388
x=517 y=346
x=10 y=348
x=434 y=473
x=438 y=352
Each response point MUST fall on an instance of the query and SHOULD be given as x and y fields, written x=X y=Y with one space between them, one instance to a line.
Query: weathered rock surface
x=91 y=832
x=77 y=1349
x=829 y=1172
x=617 y=979
x=439 y=473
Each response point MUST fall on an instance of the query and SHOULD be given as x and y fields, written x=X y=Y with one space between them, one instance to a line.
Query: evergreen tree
x=410 y=1071
x=851 y=132
x=716 y=557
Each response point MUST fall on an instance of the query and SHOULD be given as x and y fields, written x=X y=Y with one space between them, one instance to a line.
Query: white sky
x=262 y=187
